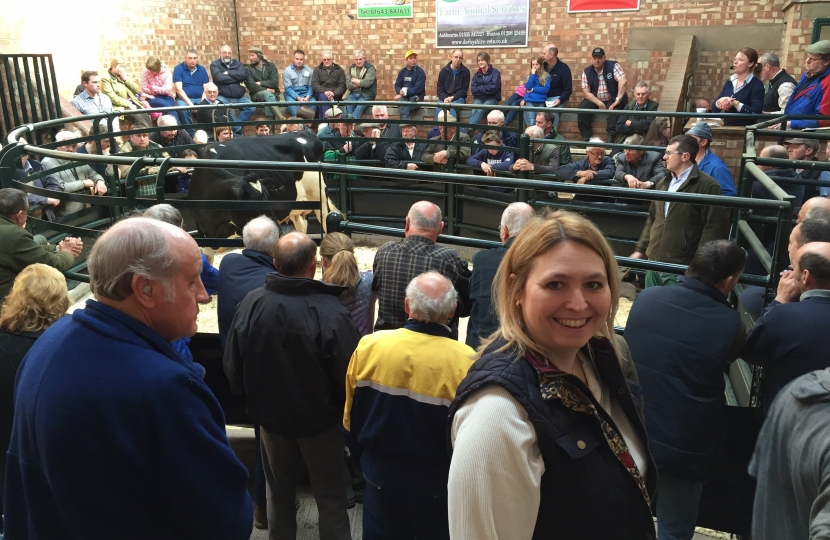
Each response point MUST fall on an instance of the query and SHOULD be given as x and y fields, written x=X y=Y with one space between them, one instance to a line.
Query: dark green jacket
x=676 y=237
x=20 y=250
x=268 y=77
x=460 y=153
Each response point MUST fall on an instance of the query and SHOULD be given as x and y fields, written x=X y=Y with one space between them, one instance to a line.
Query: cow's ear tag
x=301 y=140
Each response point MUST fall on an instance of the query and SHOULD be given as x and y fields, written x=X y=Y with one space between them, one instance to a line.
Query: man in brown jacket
x=328 y=82
x=673 y=231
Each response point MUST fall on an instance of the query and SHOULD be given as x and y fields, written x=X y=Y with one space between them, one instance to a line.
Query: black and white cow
x=257 y=184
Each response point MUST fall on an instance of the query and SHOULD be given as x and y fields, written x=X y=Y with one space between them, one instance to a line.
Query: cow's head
x=249 y=188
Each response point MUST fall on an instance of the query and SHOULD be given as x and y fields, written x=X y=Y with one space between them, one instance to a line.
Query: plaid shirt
x=397 y=263
x=146 y=187
x=602 y=89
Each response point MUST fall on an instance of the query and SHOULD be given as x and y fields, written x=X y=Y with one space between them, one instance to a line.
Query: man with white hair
x=229 y=75
x=496 y=120
x=439 y=152
x=171 y=137
x=397 y=262
x=483 y=320
x=328 y=81
x=410 y=374
x=595 y=168
x=153 y=436
x=636 y=124
x=387 y=131
x=546 y=157
x=361 y=84
x=78 y=179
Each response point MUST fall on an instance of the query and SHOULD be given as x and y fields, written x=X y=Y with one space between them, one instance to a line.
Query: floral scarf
x=554 y=386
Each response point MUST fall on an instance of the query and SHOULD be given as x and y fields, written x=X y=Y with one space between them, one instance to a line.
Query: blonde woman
x=340 y=268
x=533 y=92
x=568 y=456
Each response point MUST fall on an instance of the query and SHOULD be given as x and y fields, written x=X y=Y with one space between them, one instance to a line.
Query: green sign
x=384 y=9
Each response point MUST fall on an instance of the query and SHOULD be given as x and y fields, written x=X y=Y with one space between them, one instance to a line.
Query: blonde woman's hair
x=537 y=237
x=38 y=298
x=115 y=62
x=339 y=250
x=540 y=71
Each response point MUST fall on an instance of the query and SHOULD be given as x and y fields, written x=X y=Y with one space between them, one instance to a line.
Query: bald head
x=167 y=120
x=812 y=266
x=295 y=255
x=774 y=151
x=430 y=297
x=514 y=218
x=424 y=219
x=815 y=208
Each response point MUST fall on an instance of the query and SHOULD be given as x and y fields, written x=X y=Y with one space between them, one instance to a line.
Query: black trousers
x=585 y=120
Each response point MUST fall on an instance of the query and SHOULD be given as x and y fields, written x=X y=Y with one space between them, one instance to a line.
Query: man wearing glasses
x=673 y=231
x=812 y=94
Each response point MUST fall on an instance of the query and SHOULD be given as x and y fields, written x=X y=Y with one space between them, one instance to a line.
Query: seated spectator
x=490 y=160
x=326 y=130
x=296 y=79
x=544 y=159
x=124 y=93
x=306 y=113
x=496 y=120
x=410 y=86
x=296 y=125
x=157 y=83
x=92 y=148
x=485 y=85
x=810 y=95
x=210 y=116
x=79 y=179
x=27 y=166
x=638 y=169
x=708 y=162
x=815 y=208
x=183 y=179
x=534 y=92
x=38 y=298
x=372 y=149
x=780 y=84
x=545 y=121
x=483 y=318
x=595 y=168
x=263 y=82
x=171 y=137
x=399 y=261
x=453 y=83
x=20 y=248
x=789 y=339
x=328 y=81
x=824 y=191
x=439 y=152
x=404 y=155
x=743 y=92
x=140 y=144
x=630 y=125
x=91 y=100
x=794 y=189
x=603 y=85
x=340 y=268
x=342 y=141
x=804 y=149
x=222 y=134
x=189 y=80
x=200 y=137
x=262 y=130
x=229 y=75
x=361 y=84
x=659 y=132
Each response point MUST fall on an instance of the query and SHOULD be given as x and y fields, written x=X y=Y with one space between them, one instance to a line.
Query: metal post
x=523 y=195
x=342 y=187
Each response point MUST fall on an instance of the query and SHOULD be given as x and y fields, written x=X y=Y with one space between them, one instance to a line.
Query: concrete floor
x=307 y=520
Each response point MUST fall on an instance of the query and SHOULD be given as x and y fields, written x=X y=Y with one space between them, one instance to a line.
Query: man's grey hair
x=643 y=84
x=770 y=58
x=327 y=52
x=596 y=140
x=380 y=108
x=261 y=235
x=535 y=132
x=166 y=213
x=135 y=246
x=211 y=86
x=422 y=222
x=191 y=51
x=358 y=53
x=167 y=120
x=496 y=115
x=814 y=212
x=65 y=135
x=515 y=216
x=12 y=201
x=635 y=140
x=225 y=47
x=426 y=308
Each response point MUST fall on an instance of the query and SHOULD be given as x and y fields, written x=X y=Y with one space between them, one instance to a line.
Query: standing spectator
x=490 y=160
x=440 y=151
x=708 y=162
x=405 y=155
x=78 y=179
x=594 y=169
x=296 y=79
x=743 y=92
x=682 y=339
x=483 y=317
x=171 y=137
x=37 y=299
x=154 y=434
x=157 y=83
x=603 y=85
x=545 y=157
x=229 y=75
x=125 y=93
x=780 y=84
x=638 y=169
x=361 y=84
x=91 y=100
x=328 y=81
x=190 y=79
x=561 y=80
x=398 y=389
x=263 y=82
x=631 y=125
x=288 y=350
x=396 y=263
x=453 y=83
x=485 y=86
x=410 y=85
x=810 y=95
x=673 y=231
x=788 y=340
x=790 y=465
x=340 y=268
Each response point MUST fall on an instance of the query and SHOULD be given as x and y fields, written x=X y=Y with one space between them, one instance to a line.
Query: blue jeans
x=512 y=101
x=530 y=116
x=677 y=507
x=244 y=114
x=453 y=111
x=477 y=114
x=292 y=109
x=355 y=111
x=406 y=110
x=555 y=115
x=157 y=102
x=185 y=116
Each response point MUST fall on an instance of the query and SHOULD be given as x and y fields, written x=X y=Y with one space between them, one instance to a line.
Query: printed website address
x=464 y=42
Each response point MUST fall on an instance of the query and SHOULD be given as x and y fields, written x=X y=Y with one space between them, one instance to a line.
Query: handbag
x=521 y=90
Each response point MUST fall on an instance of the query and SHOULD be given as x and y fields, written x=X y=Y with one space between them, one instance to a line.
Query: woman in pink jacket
x=157 y=82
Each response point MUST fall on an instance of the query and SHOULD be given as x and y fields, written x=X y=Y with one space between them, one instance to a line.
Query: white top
x=496 y=471
x=676 y=182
